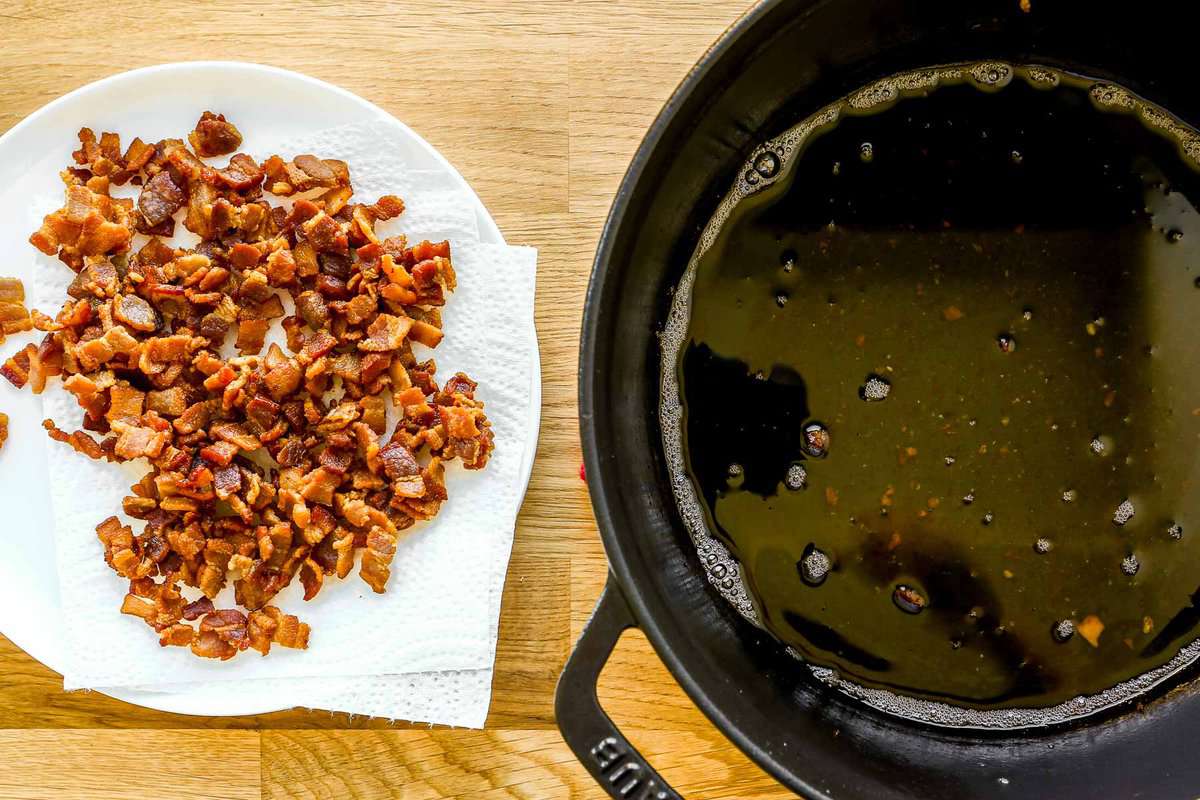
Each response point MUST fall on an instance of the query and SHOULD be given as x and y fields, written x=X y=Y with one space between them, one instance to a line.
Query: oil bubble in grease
x=1124 y=513
x=816 y=440
x=796 y=478
x=875 y=388
x=814 y=566
x=767 y=164
x=908 y=599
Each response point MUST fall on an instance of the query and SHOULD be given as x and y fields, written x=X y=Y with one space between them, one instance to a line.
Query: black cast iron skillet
x=775 y=66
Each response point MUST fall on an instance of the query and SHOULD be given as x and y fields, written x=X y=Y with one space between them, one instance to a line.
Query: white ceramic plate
x=273 y=103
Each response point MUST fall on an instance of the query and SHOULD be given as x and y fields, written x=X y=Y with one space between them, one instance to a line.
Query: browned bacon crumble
x=263 y=466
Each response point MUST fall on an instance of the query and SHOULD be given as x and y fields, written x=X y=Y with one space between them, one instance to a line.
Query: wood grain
x=540 y=105
x=114 y=765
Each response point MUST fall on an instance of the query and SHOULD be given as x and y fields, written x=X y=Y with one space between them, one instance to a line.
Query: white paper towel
x=438 y=618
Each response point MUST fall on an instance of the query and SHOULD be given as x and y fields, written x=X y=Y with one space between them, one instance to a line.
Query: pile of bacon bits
x=263 y=466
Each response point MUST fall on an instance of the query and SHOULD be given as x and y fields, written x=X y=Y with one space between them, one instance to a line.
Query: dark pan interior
x=783 y=61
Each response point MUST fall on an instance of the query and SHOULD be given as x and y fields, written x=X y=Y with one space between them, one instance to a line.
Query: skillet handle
x=615 y=764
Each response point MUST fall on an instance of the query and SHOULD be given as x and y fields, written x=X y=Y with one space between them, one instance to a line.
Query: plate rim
x=182 y=703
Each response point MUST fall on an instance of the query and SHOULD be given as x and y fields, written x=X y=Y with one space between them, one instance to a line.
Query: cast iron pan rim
x=666 y=640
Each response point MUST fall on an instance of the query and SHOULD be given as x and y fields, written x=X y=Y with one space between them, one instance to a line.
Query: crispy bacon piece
x=79 y=441
x=160 y=198
x=11 y=290
x=3 y=428
x=136 y=441
x=90 y=223
x=242 y=174
x=119 y=552
x=197 y=609
x=237 y=435
x=387 y=207
x=214 y=136
x=169 y=402
x=386 y=333
x=271 y=625
x=124 y=402
x=319 y=485
x=16 y=368
x=103 y=158
x=177 y=635
x=136 y=313
x=14 y=318
x=377 y=558
x=302 y=173
x=251 y=335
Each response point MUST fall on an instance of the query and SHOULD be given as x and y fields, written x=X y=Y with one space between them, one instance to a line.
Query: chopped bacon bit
x=14 y=318
x=387 y=207
x=312 y=577
x=242 y=174
x=139 y=442
x=16 y=369
x=209 y=644
x=425 y=333
x=270 y=625
x=3 y=428
x=237 y=435
x=136 y=313
x=304 y=172
x=177 y=635
x=197 y=609
x=90 y=223
x=319 y=485
x=325 y=234
x=124 y=402
x=160 y=198
x=214 y=136
x=171 y=402
x=281 y=268
x=252 y=334
x=318 y=344
x=386 y=333
x=377 y=558
x=138 y=607
x=219 y=453
x=79 y=441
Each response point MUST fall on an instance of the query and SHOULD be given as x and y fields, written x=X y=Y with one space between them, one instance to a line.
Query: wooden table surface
x=540 y=104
